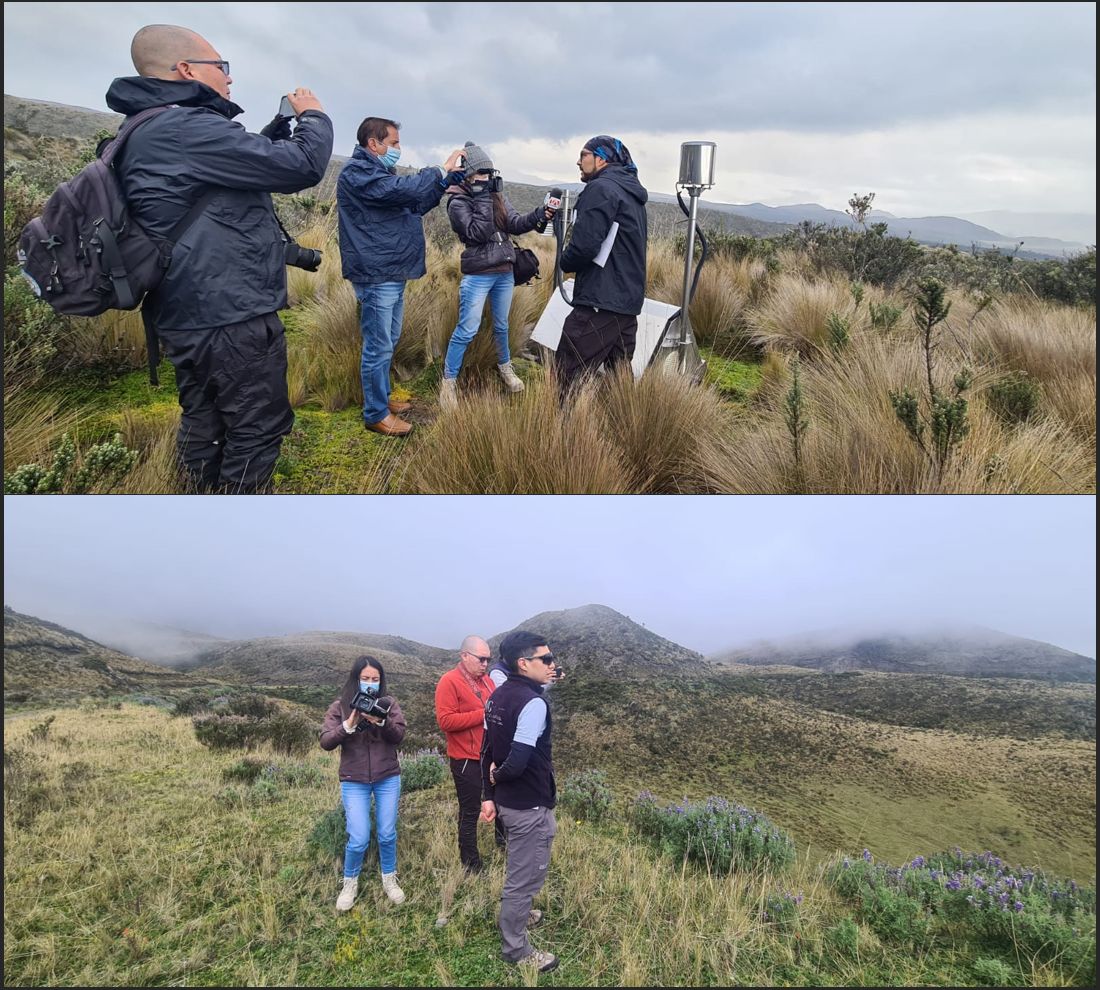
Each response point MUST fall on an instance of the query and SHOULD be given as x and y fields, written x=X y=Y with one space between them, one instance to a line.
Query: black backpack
x=85 y=254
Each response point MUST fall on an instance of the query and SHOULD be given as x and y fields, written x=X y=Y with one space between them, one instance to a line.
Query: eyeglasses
x=586 y=152
x=476 y=657
x=546 y=658
x=220 y=63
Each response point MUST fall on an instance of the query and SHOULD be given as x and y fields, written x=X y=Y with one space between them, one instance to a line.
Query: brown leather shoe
x=398 y=406
x=391 y=426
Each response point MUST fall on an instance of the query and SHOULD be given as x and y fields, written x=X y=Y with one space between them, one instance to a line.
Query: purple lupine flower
x=918 y=862
x=1018 y=906
x=867 y=855
x=954 y=884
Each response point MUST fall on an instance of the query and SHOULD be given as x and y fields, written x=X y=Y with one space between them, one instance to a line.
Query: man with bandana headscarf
x=607 y=298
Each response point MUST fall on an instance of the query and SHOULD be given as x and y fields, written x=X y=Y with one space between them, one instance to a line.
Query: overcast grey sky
x=939 y=108
x=709 y=573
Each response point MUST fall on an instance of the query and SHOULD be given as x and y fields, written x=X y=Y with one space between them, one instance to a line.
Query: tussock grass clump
x=664 y=429
x=854 y=443
x=324 y=364
x=794 y=315
x=522 y=444
x=1056 y=347
x=34 y=423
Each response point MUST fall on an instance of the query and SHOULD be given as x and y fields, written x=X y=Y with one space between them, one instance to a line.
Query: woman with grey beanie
x=484 y=221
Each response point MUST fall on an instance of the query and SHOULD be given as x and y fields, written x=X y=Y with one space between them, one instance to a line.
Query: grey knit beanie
x=476 y=159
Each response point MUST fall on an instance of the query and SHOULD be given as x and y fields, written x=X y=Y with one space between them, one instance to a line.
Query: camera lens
x=300 y=257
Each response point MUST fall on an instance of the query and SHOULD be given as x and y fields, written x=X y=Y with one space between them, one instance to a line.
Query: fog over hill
x=43 y=659
x=970 y=652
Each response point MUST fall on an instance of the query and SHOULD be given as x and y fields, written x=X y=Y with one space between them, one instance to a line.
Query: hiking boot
x=347 y=894
x=534 y=918
x=542 y=960
x=393 y=892
x=509 y=377
x=448 y=394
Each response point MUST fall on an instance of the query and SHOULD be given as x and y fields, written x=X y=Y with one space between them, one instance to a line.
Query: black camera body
x=369 y=704
x=495 y=184
x=302 y=257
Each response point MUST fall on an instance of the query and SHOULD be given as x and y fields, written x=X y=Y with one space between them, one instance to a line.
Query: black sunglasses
x=476 y=657
x=546 y=658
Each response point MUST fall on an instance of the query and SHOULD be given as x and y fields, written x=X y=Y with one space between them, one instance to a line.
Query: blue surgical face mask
x=369 y=687
x=391 y=157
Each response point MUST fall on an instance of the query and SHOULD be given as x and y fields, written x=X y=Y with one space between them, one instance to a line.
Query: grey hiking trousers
x=530 y=834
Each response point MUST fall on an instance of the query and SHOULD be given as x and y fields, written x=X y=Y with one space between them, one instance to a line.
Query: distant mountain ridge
x=23 y=116
x=967 y=653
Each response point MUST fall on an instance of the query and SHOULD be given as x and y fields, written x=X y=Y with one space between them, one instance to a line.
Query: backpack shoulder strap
x=129 y=125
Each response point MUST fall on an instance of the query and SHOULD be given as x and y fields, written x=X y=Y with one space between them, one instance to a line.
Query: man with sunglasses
x=215 y=310
x=518 y=788
x=460 y=698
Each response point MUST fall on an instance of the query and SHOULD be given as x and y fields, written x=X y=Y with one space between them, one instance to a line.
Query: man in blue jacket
x=381 y=248
x=215 y=311
x=607 y=297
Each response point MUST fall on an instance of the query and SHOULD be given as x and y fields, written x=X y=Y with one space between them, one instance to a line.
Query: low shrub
x=1008 y=908
x=721 y=836
x=586 y=795
x=423 y=769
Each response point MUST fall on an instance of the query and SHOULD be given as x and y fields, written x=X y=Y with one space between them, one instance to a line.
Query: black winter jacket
x=487 y=246
x=613 y=195
x=229 y=266
x=381 y=230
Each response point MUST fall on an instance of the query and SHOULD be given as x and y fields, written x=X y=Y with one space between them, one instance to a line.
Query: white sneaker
x=509 y=377
x=393 y=891
x=448 y=394
x=347 y=894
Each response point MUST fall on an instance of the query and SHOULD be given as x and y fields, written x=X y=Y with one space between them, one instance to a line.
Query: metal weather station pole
x=696 y=174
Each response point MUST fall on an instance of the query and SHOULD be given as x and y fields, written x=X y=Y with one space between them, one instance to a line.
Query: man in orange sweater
x=460 y=698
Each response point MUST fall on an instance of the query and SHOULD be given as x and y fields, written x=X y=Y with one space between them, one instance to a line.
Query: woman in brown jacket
x=368 y=766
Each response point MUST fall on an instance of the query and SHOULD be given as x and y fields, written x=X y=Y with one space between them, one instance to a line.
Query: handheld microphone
x=552 y=201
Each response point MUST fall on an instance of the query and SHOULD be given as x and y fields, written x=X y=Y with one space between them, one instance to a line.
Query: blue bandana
x=612 y=151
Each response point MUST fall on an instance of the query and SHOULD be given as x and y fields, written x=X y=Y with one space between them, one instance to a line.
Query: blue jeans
x=382 y=307
x=356 y=798
x=472 y=293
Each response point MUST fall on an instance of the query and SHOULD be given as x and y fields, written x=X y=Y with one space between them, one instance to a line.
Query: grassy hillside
x=44 y=661
x=1015 y=707
x=132 y=858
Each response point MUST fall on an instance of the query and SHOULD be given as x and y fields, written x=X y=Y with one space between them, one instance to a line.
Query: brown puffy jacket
x=369 y=754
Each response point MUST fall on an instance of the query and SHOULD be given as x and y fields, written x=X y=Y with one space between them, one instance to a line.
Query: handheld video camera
x=369 y=704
